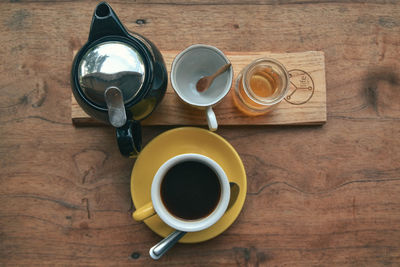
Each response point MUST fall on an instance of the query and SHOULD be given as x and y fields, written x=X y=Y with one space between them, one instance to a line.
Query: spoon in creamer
x=205 y=82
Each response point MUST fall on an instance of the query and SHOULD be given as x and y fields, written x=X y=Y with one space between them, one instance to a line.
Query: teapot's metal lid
x=111 y=63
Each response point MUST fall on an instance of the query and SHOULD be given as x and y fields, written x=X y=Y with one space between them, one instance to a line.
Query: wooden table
x=317 y=195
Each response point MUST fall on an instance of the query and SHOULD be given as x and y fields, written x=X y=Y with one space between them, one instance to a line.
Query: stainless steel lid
x=111 y=64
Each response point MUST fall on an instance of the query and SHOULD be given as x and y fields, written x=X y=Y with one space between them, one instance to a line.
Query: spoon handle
x=221 y=70
x=164 y=245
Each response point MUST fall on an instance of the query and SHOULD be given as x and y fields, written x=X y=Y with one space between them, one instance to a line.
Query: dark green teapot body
x=118 y=77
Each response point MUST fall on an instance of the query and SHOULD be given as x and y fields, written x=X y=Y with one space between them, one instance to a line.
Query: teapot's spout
x=105 y=23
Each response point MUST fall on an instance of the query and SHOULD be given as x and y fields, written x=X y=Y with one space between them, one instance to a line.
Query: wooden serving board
x=304 y=104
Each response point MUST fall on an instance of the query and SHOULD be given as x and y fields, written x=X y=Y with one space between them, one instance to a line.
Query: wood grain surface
x=317 y=195
x=304 y=104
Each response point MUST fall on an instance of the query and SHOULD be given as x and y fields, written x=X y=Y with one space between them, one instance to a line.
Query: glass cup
x=260 y=86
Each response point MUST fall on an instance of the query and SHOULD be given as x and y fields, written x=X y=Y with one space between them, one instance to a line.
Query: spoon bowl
x=205 y=82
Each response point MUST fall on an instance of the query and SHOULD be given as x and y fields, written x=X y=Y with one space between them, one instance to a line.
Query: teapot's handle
x=129 y=138
x=105 y=22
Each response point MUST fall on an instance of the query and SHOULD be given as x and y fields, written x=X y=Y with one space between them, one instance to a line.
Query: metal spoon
x=164 y=245
x=206 y=81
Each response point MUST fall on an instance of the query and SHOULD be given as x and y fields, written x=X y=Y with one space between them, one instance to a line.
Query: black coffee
x=190 y=190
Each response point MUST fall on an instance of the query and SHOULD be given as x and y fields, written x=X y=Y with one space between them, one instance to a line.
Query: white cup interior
x=194 y=63
x=190 y=225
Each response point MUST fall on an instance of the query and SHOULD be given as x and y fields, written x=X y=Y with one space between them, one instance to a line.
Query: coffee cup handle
x=144 y=212
x=211 y=119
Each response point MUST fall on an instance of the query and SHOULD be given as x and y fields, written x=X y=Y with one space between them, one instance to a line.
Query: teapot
x=118 y=77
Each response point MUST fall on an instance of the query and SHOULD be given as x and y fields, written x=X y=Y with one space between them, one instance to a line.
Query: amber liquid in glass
x=263 y=83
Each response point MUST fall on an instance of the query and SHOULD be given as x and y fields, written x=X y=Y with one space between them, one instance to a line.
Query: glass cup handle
x=211 y=119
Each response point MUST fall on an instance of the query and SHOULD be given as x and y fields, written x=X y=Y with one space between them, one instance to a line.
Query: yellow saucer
x=180 y=141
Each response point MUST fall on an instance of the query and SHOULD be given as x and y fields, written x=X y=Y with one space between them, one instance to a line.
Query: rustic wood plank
x=308 y=109
x=317 y=196
x=228 y=2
